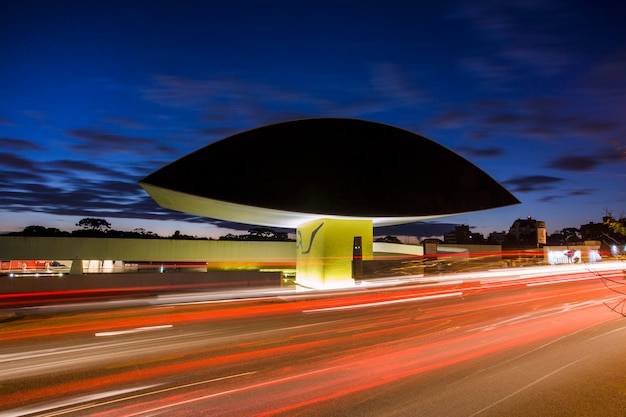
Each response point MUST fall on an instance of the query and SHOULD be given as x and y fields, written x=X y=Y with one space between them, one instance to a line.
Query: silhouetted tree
x=388 y=239
x=616 y=226
x=260 y=233
x=41 y=231
x=35 y=231
x=230 y=236
x=178 y=235
x=89 y=223
x=281 y=236
x=571 y=235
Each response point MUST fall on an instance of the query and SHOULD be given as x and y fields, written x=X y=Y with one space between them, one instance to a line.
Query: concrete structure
x=212 y=254
x=141 y=264
x=326 y=252
x=332 y=180
x=80 y=263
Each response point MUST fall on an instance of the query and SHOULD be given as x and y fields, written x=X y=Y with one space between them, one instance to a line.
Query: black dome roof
x=333 y=166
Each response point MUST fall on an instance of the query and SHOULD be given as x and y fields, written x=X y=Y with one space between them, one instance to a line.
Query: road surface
x=522 y=344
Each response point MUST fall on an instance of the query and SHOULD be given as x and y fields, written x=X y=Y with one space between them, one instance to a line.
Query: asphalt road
x=525 y=345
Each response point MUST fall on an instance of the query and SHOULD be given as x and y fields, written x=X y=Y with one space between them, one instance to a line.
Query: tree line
x=95 y=227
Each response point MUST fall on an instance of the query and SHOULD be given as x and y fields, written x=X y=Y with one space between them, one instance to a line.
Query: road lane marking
x=548 y=375
x=608 y=333
x=73 y=401
x=228 y=392
x=522 y=318
x=379 y=303
x=117 y=400
x=136 y=330
x=10 y=357
x=560 y=281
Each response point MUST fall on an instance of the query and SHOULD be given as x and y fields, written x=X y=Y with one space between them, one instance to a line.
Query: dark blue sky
x=95 y=95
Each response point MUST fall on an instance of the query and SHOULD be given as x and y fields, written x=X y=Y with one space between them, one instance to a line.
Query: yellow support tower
x=330 y=251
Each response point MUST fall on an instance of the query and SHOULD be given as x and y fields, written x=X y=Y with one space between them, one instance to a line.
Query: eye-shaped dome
x=290 y=172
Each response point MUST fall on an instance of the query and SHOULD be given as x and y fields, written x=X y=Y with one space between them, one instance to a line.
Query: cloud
x=69 y=187
x=506 y=119
x=517 y=49
x=538 y=46
x=6 y=122
x=488 y=152
x=575 y=163
x=572 y=193
x=243 y=104
x=12 y=179
x=230 y=101
x=182 y=92
x=495 y=75
x=82 y=197
x=532 y=183
x=597 y=127
x=40 y=117
x=126 y=123
x=544 y=119
x=581 y=192
x=80 y=188
x=14 y=161
x=79 y=168
x=219 y=131
x=98 y=142
x=583 y=163
x=20 y=145
x=449 y=119
x=605 y=80
x=395 y=84
x=550 y=198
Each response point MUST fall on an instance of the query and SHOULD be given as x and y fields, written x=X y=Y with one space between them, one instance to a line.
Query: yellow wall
x=324 y=251
x=216 y=253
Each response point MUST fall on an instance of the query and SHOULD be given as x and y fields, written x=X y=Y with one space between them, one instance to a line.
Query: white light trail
x=379 y=303
x=136 y=330
x=70 y=402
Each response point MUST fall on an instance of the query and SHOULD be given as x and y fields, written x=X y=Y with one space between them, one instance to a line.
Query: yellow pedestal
x=325 y=250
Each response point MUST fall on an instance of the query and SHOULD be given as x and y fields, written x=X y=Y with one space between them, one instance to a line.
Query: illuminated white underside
x=239 y=213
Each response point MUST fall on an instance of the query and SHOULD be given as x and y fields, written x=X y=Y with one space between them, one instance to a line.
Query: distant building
x=593 y=231
x=463 y=234
x=556 y=239
x=527 y=232
x=612 y=241
x=602 y=231
x=497 y=238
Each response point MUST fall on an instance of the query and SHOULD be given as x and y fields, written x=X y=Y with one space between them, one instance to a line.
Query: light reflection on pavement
x=289 y=353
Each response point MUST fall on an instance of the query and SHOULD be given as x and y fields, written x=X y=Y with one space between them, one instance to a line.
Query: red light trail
x=296 y=354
